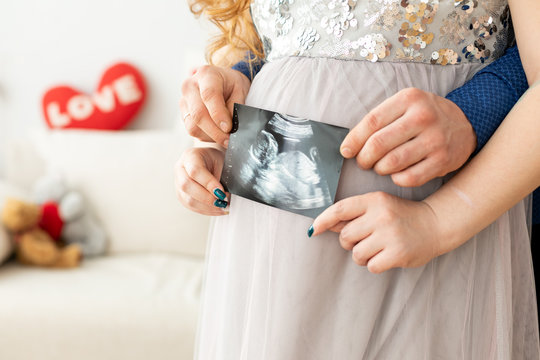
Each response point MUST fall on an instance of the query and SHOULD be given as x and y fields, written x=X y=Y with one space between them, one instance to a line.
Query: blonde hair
x=237 y=32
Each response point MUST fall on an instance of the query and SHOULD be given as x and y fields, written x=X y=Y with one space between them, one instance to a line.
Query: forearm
x=508 y=168
x=526 y=17
x=503 y=173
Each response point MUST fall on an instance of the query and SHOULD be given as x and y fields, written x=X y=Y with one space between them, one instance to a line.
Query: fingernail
x=223 y=126
x=220 y=194
x=310 y=231
x=220 y=204
x=346 y=152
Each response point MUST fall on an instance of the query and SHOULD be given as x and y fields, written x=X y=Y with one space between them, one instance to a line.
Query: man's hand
x=207 y=102
x=414 y=136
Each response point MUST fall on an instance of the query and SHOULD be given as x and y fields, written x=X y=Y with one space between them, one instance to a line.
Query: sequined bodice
x=429 y=31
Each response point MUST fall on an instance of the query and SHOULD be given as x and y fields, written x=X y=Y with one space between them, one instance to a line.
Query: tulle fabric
x=273 y=293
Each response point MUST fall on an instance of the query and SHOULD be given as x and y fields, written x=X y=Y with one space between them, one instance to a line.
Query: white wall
x=50 y=42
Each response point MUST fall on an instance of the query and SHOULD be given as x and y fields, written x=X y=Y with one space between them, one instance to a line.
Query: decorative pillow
x=128 y=180
x=6 y=191
x=119 y=96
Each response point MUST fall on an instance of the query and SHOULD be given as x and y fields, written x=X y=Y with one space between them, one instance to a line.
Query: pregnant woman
x=271 y=292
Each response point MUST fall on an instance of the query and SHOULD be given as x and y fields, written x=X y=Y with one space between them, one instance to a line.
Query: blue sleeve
x=250 y=70
x=490 y=95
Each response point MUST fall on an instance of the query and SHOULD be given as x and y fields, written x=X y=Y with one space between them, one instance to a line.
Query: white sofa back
x=127 y=179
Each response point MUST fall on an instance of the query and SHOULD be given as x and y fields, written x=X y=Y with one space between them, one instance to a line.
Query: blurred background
x=139 y=297
x=49 y=42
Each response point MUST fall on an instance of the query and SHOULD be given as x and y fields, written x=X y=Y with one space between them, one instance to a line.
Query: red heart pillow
x=119 y=95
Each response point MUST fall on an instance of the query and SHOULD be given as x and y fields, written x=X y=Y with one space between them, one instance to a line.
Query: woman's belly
x=341 y=93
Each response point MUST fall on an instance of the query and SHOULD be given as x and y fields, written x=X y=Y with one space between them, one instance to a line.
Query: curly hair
x=237 y=32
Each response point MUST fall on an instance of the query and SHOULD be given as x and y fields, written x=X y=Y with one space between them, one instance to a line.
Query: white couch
x=141 y=300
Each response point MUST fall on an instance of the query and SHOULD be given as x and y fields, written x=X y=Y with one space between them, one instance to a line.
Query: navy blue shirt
x=486 y=99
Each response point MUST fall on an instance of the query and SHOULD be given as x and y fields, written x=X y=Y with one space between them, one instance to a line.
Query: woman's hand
x=196 y=179
x=207 y=102
x=383 y=231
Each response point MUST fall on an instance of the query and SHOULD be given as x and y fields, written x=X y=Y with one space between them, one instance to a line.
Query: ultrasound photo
x=283 y=161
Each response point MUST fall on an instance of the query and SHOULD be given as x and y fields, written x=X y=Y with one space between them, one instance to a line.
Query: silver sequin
x=442 y=32
x=382 y=14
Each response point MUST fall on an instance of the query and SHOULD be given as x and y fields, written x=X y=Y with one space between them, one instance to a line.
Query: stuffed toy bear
x=66 y=217
x=56 y=229
x=33 y=245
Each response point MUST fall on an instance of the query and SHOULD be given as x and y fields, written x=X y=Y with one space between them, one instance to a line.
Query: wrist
x=239 y=80
x=245 y=69
x=435 y=228
x=470 y=141
x=208 y=145
x=242 y=75
x=447 y=230
x=245 y=80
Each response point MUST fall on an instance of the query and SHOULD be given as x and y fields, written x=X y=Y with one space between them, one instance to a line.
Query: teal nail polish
x=220 y=204
x=220 y=194
x=310 y=231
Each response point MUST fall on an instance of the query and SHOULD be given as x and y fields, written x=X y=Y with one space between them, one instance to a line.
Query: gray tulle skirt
x=272 y=293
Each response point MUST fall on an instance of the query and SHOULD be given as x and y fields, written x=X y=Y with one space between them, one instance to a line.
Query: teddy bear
x=35 y=246
x=55 y=229
x=66 y=217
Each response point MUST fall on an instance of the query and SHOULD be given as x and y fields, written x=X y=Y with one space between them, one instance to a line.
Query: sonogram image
x=283 y=161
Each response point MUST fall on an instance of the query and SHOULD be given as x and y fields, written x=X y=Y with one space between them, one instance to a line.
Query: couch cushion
x=115 y=307
x=127 y=177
